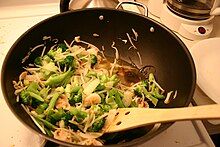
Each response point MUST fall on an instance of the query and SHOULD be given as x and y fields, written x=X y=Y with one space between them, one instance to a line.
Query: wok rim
x=136 y=141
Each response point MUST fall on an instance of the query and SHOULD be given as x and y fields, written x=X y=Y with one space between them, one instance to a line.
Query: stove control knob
x=201 y=30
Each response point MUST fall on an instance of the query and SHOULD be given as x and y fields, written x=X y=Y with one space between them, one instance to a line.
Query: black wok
x=173 y=64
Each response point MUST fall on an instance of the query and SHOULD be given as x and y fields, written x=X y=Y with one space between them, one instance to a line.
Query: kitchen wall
x=4 y=3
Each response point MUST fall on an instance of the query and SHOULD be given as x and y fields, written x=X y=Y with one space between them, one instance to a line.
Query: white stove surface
x=14 y=133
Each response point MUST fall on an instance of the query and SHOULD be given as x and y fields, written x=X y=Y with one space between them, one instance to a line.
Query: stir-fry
x=71 y=92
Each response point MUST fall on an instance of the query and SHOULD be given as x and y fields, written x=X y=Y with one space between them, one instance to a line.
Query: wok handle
x=64 y=5
x=134 y=3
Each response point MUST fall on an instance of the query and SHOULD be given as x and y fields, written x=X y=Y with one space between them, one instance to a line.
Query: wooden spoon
x=129 y=118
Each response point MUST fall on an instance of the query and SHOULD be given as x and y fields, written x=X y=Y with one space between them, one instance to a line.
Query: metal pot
x=66 y=5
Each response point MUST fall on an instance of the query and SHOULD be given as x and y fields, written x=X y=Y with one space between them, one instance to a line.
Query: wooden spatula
x=128 y=118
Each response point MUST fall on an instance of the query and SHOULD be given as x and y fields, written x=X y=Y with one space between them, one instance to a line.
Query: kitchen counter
x=12 y=25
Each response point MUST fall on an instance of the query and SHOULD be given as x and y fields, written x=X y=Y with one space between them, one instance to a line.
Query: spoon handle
x=129 y=118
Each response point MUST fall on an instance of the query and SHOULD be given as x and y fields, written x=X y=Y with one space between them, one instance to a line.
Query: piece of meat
x=63 y=135
x=62 y=102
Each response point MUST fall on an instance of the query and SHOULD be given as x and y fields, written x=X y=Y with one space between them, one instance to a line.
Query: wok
x=158 y=47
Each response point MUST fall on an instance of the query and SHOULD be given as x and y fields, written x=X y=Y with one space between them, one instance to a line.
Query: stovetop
x=12 y=25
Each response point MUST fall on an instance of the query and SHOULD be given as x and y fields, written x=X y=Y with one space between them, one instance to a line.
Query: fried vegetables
x=72 y=92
